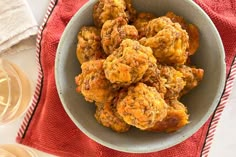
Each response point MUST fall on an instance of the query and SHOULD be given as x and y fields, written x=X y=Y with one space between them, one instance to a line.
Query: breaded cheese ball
x=92 y=83
x=177 y=117
x=192 y=76
x=174 y=81
x=141 y=22
x=114 y=31
x=169 y=45
x=107 y=115
x=89 y=44
x=156 y=25
x=141 y=106
x=110 y=9
x=152 y=72
x=191 y=29
x=128 y=63
x=168 y=81
x=153 y=78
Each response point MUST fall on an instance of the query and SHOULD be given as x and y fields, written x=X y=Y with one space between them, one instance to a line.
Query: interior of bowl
x=201 y=102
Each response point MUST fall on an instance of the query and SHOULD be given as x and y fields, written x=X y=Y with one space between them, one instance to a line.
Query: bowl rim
x=188 y=133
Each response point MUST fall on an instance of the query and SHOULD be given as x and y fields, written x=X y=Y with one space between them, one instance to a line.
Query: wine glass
x=15 y=91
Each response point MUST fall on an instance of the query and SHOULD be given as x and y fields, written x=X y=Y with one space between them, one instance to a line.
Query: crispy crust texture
x=169 y=45
x=128 y=63
x=111 y=9
x=92 y=83
x=141 y=22
x=191 y=29
x=173 y=81
x=192 y=76
x=106 y=114
x=114 y=31
x=156 y=25
x=89 y=44
x=108 y=10
x=142 y=106
x=176 y=118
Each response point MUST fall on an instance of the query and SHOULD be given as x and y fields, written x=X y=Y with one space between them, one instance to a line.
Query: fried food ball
x=173 y=81
x=110 y=9
x=141 y=106
x=156 y=25
x=114 y=31
x=176 y=118
x=192 y=76
x=107 y=115
x=89 y=44
x=168 y=81
x=153 y=78
x=141 y=22
x=169 y=45
x=152 y=71
x=92 y=83
x=191 y=30
x=128 y=63
x=152 y=74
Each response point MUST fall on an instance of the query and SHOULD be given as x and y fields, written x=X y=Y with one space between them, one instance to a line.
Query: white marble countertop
x=223 y=143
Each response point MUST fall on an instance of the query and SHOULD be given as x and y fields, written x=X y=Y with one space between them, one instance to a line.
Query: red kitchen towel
x=48 y=128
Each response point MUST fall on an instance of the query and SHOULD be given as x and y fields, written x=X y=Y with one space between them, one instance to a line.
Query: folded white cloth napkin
x=17 y=23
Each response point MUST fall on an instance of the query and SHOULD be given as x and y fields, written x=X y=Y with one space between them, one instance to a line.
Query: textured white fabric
x=17 y=23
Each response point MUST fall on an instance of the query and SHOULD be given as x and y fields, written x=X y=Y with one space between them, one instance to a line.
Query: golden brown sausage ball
x=107 y=115
x=93 y=84
x=191 y=29
x=141 y=106
x=110 y=9
x=168 y=81
x=156 y=25
x=192 y=76
x=152 y=73
x=141 y=22
x=153 y=78
x=176 y=118
x=89 y=44
x=169 y=45
x=128 y=63
x=114 y=31
x=173 y=81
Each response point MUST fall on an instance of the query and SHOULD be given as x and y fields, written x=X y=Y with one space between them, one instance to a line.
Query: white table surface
x=224 y=143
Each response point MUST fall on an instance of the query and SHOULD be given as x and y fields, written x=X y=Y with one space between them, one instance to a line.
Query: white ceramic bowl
x=201 y=102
